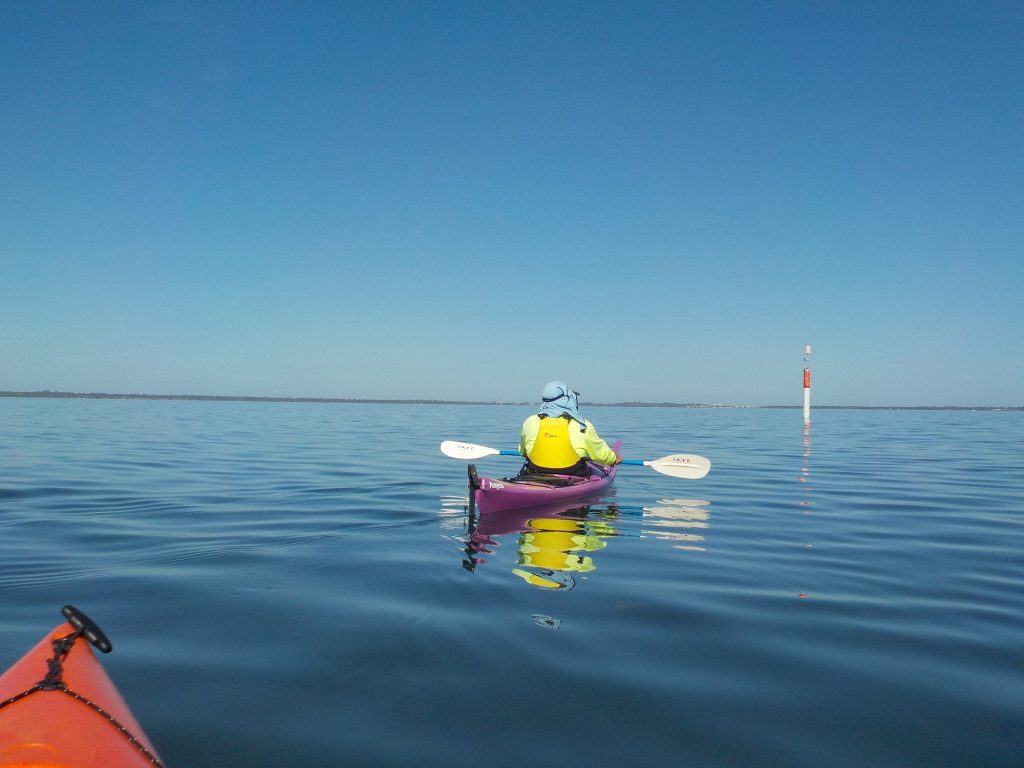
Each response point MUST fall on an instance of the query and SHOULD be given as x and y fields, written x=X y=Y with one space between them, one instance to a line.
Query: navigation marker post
x=807 y=384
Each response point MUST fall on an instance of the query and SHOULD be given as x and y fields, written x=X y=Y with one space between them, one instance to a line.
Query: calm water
x=301 y=585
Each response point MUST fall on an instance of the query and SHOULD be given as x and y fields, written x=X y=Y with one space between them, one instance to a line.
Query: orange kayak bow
x=58 y=708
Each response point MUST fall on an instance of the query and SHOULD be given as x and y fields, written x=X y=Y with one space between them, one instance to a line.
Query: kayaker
x=557 y=440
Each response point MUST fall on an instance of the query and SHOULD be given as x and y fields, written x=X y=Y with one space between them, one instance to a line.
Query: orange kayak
x=58 y=708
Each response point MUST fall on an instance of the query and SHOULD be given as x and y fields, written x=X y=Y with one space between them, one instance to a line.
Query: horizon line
x=54 y=394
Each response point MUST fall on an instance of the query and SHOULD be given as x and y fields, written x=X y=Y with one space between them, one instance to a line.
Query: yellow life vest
x=553 y=447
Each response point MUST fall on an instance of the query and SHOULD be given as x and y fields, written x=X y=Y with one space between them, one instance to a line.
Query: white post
x=807 y=385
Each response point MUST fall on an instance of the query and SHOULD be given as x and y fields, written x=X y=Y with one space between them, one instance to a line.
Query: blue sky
x=654 y=201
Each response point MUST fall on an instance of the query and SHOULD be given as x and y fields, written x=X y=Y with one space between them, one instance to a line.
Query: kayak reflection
x=552 y=543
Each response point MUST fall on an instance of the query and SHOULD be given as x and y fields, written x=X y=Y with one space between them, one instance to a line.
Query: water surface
x=300 y=584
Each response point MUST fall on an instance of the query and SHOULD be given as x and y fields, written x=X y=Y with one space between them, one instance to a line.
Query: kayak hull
x=54 y=729
x=490 y=495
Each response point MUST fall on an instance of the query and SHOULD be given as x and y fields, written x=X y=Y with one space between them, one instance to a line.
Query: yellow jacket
x=587 y=443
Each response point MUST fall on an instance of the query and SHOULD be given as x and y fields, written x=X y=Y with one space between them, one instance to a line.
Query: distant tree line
x=628 y=404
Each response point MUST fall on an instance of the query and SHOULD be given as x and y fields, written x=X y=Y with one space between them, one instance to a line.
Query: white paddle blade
x=456 y=450
x=685 y=465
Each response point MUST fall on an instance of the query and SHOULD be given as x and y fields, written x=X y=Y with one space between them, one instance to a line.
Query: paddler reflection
x=556 y=547
x=552 y=545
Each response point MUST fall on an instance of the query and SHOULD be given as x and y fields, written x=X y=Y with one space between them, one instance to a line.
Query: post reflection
x=805 y=468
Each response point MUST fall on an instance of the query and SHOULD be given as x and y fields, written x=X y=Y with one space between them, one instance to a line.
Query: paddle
x=683 y=465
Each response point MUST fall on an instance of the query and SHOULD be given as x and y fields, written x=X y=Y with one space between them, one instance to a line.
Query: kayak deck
x=520 y=492
x=59 y=709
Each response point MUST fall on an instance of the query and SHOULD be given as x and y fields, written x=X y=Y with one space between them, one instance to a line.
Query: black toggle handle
x=88 y=628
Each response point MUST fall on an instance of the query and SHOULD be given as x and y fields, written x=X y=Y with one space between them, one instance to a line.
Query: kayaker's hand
x=618 y=459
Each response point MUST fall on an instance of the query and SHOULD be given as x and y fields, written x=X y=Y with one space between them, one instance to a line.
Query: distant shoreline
x=355 y=400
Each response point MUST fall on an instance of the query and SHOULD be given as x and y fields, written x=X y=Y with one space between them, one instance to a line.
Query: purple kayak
x=490 y=495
